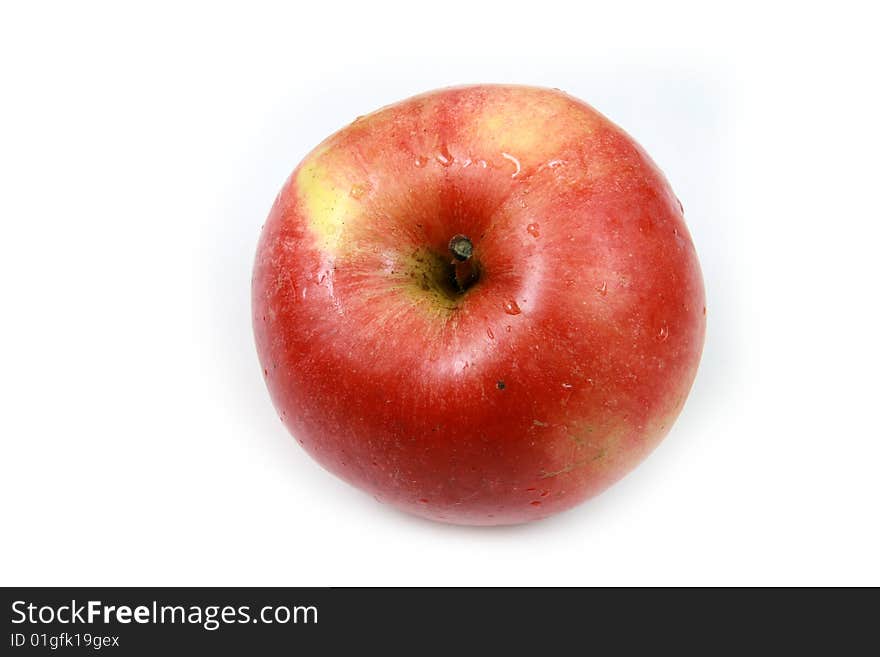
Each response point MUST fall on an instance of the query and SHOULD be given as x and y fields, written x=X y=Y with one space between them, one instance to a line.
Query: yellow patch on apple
x=528 y=129
x=328 y=202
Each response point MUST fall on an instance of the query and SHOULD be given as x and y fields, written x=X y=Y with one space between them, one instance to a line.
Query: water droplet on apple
x=603 y=289
x=533 y=230
x=421 y=161
x=444 y=157
x=490 y=333
x=423 y=501
x=663 y=333
x=567 y=386
x=515 y=161
x=536 y=503
x=511 y=308
x=545 y=493
x=507 y=328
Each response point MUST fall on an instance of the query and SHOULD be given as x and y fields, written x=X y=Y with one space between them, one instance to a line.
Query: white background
x=140 y=150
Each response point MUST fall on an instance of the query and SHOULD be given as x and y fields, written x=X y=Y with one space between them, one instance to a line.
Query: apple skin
x=544 y=382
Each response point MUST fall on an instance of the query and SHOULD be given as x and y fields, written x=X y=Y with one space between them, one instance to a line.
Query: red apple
x=481 y=305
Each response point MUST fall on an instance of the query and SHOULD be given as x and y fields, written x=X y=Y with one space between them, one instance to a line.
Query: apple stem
x=462 y=249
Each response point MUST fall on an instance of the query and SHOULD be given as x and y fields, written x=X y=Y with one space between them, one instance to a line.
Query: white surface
x=140 y=151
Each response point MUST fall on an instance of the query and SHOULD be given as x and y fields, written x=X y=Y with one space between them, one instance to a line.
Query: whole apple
x=481 y=304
